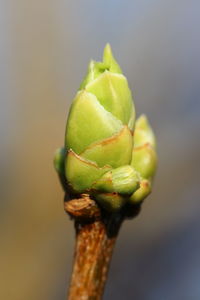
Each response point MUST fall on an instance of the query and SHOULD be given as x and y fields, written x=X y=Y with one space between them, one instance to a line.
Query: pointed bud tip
x=107 y=49
x=107 y=54
x=91 y=64
x=142 y=121
x=109 y=60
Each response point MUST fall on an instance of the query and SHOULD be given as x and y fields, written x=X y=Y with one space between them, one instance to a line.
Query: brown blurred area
x=45 y=49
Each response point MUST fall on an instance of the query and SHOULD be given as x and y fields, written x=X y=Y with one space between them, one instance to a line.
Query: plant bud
x=144 y=158
x=103 y=156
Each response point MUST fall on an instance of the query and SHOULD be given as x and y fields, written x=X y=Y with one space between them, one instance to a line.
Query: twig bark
x=95 y=239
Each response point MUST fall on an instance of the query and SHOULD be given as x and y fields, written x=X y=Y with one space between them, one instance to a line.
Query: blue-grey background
x=45 y=48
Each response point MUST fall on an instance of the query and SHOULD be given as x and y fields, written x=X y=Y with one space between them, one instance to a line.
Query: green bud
x=59 y=160
x=143 y=133
x=103 y=156
x=141 y=193
x=144 y=160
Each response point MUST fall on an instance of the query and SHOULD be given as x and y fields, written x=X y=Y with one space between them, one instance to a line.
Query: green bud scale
x=107 y=154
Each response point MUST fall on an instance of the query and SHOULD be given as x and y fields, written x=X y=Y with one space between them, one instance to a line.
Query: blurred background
x=45 y=49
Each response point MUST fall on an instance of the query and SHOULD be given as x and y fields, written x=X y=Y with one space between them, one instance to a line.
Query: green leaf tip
x=110 y=61
x=97 y=68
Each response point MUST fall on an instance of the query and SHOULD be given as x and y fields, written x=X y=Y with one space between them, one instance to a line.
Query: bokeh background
x=45 y=48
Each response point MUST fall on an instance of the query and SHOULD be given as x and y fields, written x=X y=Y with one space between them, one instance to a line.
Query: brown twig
x=96 y=234
x=95 y=240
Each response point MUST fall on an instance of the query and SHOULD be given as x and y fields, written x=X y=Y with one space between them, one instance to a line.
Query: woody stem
x=95 y=240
